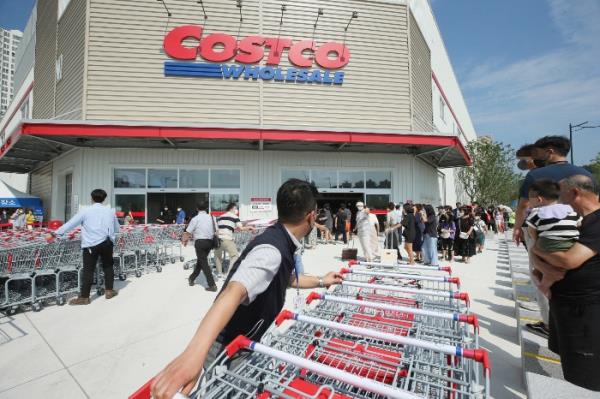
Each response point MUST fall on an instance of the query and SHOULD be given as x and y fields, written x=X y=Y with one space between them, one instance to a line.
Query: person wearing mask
x=254 y=292
x=420 y=218
x=340 y=223
x=363 y=230
x=374 y=233
x=328 y=222
x=228 y=223
x=202 y=229
x=524 y=157
x=430 y=254
x=99 y=226
x=348 y=221
x=409 y=231
x=447 y=235
x=180 y=217
x=393 y=229
x=29 y=219
x=456 y=212
x=166 y=216
x=18 y=219
x=575 y=298
x=464 y=244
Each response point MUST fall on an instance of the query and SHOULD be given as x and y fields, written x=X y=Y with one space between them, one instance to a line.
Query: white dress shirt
x=98 y=222
x=202 y=226
x=259 y=267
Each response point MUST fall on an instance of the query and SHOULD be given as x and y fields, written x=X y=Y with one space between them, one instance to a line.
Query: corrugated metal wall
x=45 y=51
x=25 y=55
x=40 y=185
x=260 y=171
x=70 y=44
x=125 y=66
x=420 y=75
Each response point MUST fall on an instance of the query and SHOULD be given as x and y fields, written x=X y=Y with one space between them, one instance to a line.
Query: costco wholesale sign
x=220 y=48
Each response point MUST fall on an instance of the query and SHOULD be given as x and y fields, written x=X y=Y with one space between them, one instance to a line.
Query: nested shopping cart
x=419 y=280
x=452 y=301
x=399 y=266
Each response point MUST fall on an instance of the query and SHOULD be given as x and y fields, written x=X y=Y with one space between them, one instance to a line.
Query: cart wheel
x=61 y=301
x=186 y=267
x=181 y=258
x=122 y=277
x=159 y=269
x=11 y=311
x=138 y=274
x=36 y=306
x=173 y=260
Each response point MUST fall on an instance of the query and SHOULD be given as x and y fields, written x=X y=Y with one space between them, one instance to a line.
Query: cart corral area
x=109 y=348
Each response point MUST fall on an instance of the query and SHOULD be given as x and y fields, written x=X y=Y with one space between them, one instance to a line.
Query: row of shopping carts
x=387 y=331
x=34 y=271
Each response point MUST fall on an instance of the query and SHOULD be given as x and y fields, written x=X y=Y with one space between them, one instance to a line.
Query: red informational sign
x=221 y=47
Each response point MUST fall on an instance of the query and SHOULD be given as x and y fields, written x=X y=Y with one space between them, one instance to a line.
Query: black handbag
x=216 y=241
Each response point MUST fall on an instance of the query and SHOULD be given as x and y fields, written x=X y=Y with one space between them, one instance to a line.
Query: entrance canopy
x=10 y=197
x=36 y=142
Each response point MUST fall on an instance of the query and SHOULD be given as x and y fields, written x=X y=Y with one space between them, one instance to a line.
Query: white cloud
x=549 y=88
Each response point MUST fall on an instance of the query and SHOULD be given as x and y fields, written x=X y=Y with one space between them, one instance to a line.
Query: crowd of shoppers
x=18 y=219
x=558 y=219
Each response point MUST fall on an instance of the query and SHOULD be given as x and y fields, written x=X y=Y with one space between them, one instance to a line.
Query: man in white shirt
x=202 y=229
x=254 y=292
x=228 y=223
x=99 y=225
x=393 y=228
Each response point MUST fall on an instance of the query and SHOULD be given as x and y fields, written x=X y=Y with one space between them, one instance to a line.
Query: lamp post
x=575 y=128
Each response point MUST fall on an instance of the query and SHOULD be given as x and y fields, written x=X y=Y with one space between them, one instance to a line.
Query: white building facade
x=222 y=104
x=9 y=41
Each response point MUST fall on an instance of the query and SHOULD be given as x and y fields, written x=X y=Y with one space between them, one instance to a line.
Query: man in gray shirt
x=202 y=228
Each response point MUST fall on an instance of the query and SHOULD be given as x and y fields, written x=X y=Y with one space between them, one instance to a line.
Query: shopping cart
x=399 y=266
x=438 y=282
x=458 y=366
x=420 y=322
x=453 y=301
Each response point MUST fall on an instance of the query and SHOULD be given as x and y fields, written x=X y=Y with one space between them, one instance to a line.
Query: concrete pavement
x=110 y=348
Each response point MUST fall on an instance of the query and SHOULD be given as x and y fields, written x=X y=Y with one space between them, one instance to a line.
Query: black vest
x=267 y=305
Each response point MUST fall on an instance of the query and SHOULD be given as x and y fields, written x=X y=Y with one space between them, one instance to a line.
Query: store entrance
x=187 y=201
x=335 y=200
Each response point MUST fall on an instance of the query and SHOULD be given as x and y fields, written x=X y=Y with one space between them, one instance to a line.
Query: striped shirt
x=556 y=222
x=227 y=223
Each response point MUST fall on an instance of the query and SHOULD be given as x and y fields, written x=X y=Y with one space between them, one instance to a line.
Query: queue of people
x=18 y=219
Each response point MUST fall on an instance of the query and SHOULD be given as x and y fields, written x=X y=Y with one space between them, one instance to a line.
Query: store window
x=130 y=178
x=287 y=174
x=324 y=178
x=225 y=178
x=162 y=178
x=379 y=179
x=377 y=201
x=134 y=203
x=352 y=180
x=190 y=178
x=219 y=202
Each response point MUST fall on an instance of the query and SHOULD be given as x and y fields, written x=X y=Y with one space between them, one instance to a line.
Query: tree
x=491 y=179
x=594 y=167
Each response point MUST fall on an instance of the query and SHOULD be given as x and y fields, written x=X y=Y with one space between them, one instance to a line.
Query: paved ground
x=110 y=348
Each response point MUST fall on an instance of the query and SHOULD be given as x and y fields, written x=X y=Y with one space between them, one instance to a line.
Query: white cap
x=360 y=204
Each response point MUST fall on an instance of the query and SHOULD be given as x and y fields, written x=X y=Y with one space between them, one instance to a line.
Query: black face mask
x=540 y=163
x=522 y=164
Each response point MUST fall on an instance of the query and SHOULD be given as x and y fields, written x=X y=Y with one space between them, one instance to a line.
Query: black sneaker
x=538 y=329
x=212 y=288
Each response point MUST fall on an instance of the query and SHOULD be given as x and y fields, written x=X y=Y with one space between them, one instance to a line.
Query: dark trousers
x=341 y=231
x=574 y=332
x=203 y=248
x=104 y=251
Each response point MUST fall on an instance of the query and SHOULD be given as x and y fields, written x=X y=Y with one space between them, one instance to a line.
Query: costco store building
x=180 y=101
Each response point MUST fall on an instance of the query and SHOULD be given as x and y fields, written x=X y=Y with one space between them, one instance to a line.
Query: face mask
x=522 y=164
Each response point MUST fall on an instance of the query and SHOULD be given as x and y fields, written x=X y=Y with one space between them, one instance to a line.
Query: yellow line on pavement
x=524 y=298
x=525 y=318
x=542 y=357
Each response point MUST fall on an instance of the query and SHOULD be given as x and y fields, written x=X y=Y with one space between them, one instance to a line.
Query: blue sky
x=526 y=67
